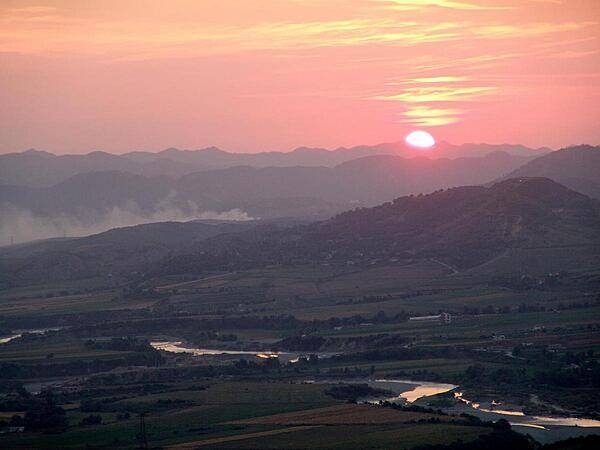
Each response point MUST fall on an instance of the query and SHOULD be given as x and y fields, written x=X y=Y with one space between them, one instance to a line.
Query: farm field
x=97 y=361
x=359 y=437
x=183 y=409
x=344 y=426
x=298 y=225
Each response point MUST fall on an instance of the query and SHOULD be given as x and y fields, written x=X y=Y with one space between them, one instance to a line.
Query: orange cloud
x=466 y=62
x=425 y=116
x=441 y=79
x=422 y=97
x=42 y=29
x=425 y=94
x=306 y=67
x=527 y=30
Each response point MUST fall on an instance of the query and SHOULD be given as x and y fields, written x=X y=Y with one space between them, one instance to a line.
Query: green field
x=205 y=414
x=358 y=313
x=225 y=412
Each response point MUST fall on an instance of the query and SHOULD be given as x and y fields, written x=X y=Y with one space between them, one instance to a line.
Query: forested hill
x=467 y=225
x=576 y=167
x=464 y=227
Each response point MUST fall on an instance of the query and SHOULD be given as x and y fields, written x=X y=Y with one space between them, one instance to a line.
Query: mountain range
x=576 y=167
x=91 y=202
x=42 y=169
x=466 y=227
x=98 y=200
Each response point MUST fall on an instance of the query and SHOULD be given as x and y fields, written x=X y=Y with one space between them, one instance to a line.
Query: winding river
x=180 y=347
x=410 y=391
x=519 y=418
x=544 y=429
x=17 y=334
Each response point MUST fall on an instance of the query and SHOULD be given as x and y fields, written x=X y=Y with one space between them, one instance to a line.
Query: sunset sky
x=260 y=75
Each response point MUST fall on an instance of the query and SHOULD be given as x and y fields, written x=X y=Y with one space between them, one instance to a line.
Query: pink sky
x=276 y=74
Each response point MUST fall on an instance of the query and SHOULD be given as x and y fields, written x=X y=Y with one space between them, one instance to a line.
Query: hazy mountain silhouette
x=215 y=158
x=467 y=227
x=39 y=169
x=127 y=249
x=91 y=191
x=36 y=168
x=93 y=202
x=365 y=180
x=576 y=167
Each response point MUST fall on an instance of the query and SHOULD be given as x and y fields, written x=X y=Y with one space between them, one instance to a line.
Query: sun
x=421 y=139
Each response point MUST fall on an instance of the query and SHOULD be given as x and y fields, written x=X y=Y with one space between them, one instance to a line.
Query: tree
x=92 y=419
x=502 y=424
x=44 y=414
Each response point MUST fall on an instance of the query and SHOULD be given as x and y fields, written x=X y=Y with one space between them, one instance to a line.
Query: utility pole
x=142 y=437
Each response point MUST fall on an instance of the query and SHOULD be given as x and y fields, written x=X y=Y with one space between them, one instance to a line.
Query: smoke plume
x=19 y=225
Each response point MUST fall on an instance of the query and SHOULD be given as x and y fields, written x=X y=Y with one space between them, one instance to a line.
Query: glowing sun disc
x=421 y=139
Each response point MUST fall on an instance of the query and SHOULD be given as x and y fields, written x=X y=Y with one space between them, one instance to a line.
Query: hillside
x=90 y=203
x=123 y=252
x=464 y=227
x=365 y=181
x=467 y=225
x=576 y=167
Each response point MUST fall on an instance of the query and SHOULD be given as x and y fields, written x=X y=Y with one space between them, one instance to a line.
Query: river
x=180 y=347
x=520 y=418
x=409 y=390
x=544 y=429
x=18 y=333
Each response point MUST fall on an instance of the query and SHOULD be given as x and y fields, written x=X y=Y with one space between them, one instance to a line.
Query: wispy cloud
x=41 y=29
x=409 y=5
x=422 y=62
x=426 y=100
x=570 y=54
x=464 y=62
x=425 y=94
x=32 y=10
x=431 y=117
x=527 y=30
x=427 y=80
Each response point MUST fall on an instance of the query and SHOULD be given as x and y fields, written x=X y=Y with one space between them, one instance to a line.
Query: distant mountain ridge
x=91 y=202
x=41 y=169
x=215 y=158
x=465 y=227
x=576 y=167
x=366 y=180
